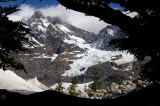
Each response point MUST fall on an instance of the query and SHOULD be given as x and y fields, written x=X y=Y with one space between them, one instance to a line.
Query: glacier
x=92 y=57
x=79 y=51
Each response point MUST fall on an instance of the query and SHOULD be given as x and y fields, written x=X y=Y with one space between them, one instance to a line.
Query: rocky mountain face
x=62 y=51
x=107 y=34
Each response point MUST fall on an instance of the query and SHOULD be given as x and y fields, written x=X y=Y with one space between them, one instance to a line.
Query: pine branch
x=104 y=12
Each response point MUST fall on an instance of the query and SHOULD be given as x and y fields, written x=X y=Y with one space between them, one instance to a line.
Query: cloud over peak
x=77 y=19
x=25 y=11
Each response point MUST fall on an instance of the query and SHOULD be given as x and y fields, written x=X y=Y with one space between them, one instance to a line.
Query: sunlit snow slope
x=10 y=81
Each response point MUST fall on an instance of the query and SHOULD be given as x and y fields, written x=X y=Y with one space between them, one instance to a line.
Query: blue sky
x=54 y=9
x=116 y=6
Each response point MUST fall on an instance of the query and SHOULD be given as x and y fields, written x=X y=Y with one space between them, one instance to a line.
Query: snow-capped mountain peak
x=63 y=50
x=39 y=22
x=105 y=35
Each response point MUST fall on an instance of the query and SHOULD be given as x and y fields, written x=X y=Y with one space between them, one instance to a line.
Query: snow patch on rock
x=63 y=28
x=43 y=55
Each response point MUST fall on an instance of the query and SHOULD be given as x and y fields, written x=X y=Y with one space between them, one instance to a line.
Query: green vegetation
x=59 y=87
x=72 y=88
x=117 y=80
x=13 y=37
x=97 y=84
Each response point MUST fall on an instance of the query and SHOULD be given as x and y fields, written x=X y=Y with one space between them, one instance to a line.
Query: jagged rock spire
x=38 y=15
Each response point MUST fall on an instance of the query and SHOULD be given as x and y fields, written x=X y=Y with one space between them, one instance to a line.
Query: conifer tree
x=13 y=37
x=59 y=87
x=97 y=84
x=72 y=87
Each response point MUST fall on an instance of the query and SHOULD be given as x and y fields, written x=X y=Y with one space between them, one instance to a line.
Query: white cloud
x=78 y=19
x=25 y=12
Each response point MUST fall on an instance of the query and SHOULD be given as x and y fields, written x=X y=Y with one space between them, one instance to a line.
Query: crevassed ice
x=92 y=57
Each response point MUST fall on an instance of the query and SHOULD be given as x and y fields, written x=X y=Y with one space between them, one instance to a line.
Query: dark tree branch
x=142 y=30
x=104 y=12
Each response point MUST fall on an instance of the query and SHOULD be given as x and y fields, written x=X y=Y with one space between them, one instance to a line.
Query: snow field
x=10 y=81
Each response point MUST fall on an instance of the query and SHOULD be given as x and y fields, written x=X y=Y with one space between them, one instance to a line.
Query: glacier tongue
x=94 y=56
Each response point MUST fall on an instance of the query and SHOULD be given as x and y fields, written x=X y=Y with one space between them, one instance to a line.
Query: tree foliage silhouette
x=142 y=31
x=60 y=87
x=13 y=37
x=72 y=88
x=97 y=83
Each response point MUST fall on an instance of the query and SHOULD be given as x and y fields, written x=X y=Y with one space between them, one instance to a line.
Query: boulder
x=115 y=88
x=142 y=83
x=130 y=88
x=122 y=87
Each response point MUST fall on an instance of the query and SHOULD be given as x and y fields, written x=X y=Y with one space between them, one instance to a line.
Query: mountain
x=62 y=50
x=107 y=34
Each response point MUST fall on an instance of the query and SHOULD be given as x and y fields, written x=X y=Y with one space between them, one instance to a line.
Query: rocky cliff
x=62 y=50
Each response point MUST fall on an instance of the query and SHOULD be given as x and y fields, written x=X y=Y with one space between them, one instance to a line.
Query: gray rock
x=124 y=82
x=142 y=84
x=129 y=88
x=52 y=38
x=122 y=87
x=115 y=88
